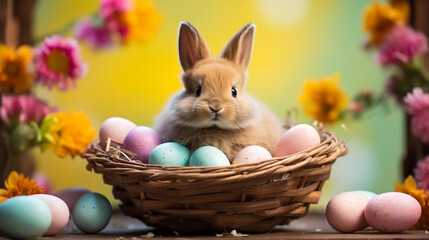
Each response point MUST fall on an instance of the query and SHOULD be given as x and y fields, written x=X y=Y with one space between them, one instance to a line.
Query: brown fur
x=241 y=121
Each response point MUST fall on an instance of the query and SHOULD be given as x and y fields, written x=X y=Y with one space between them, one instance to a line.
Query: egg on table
x=252 y=154
x=170 y=153
x=345 y=212
x=115 y=128
x=298 y=138
x=59 y=210
x=141 y=141
x=208 y=156
x=392 y=212
x=92 y=212
x=24 y=217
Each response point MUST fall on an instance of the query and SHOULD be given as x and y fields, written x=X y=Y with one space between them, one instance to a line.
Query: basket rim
x=96 y=154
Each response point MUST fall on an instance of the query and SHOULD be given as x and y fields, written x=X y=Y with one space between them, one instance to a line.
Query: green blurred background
x=295 y=40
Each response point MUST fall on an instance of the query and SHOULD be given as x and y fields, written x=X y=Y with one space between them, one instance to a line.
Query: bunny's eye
x=198 y=92
x=234 y=92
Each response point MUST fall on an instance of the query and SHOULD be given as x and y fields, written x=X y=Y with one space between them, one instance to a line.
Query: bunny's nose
x=215 y=110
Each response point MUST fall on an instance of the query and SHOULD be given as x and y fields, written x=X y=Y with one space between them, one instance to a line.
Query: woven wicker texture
x=247 y=197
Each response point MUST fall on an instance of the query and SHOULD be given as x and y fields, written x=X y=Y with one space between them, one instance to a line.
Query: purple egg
x=141 y=141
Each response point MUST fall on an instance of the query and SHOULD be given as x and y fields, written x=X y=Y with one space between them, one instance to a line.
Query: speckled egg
x=24 y=217
x=251 y=154
x=298 y=138
x=208 y=156
x=345 y=212
x=366 y=193
x=170 y=153
x=92 y=212
x=71 y=195
x=392 y=212
x=116 y=128
x=141 y=141
x=59 y=210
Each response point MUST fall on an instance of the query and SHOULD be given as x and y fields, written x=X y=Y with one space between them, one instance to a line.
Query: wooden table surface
x=312 y=226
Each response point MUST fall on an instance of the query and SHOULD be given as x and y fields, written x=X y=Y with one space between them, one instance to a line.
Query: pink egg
x=116 y=128
x=141 y=141
x=296 y=139
x=59 y=210
x=251 y=154
x=345 y=212
x=392 y=212
x=71 y=195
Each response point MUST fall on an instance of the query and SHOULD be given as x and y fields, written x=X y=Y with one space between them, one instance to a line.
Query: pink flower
x=23 y=109
x=417 y=104
x=97 y=35
x=110 y=7
x=421 y=172
x=112 y=11
x=401 y=45
x=58 y=62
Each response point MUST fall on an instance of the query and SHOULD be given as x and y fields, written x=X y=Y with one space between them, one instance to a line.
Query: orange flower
x=67 y=133
x=379 y=18
x=16 y=75
x=410 y=187
x=18 y=185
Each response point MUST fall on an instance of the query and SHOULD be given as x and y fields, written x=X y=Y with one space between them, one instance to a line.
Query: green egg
x=24 y=217
x=170 y=153
x=208 y=156
x=92 y=212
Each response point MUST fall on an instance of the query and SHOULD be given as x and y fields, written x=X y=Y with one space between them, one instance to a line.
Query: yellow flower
x=142 y=21
x=379 y=18
x=16 y=75
x=323 y=99
x=18 y=185
x=68 y=133
x=410 y=187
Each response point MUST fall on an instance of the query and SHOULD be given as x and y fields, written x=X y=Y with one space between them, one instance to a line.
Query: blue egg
x=208 y=156
x=24 y=217
x=170 y=153
x=92 y=212
x=366 y=193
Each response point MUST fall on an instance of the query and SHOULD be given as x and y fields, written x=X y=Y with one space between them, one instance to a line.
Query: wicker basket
x=247 y=197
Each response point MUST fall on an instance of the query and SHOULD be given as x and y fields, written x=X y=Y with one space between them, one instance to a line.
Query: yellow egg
x=297 y=138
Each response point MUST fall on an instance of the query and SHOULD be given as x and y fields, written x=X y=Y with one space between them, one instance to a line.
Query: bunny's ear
x=192 y=46
x=239 y=48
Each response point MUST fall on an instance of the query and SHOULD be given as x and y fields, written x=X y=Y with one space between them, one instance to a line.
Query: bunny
x=213 y=108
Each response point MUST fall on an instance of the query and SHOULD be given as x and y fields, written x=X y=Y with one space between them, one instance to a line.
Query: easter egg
x=392 y=212
x=208 y=156
x=298 y=138
x=115 y=128
x=366 y=193
x=141 y=141
x=71 y=195
x=59 y=210
x=24 y=217
x=92 y=212
x=251 y=154
x=345 y=212
x=170 y=153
